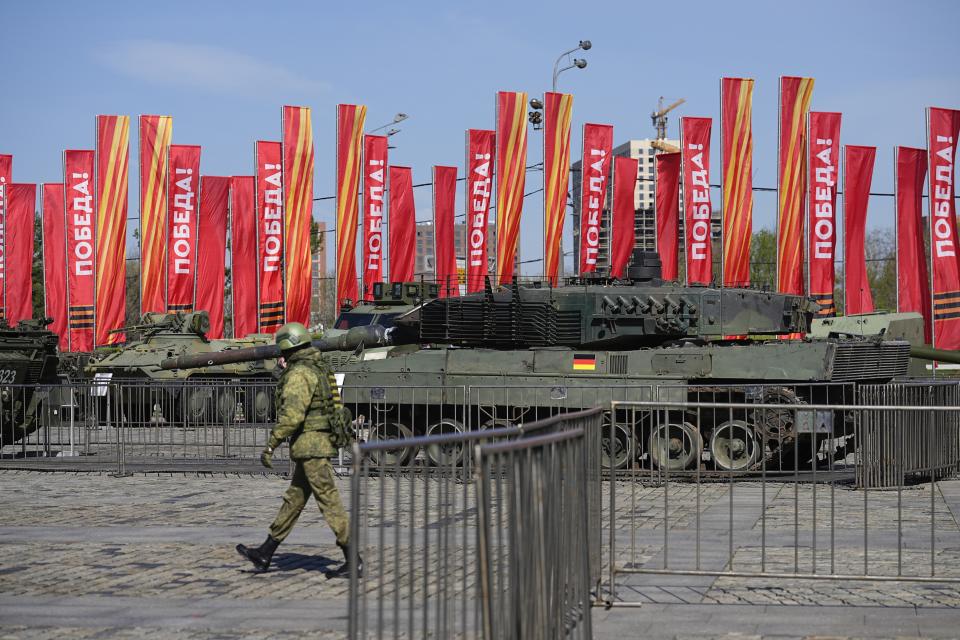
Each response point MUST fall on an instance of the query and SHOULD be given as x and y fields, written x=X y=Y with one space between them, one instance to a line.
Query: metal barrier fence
x=416 y=528
x=68 y=426
x=534 y=530
x=792 y=516
x=897 y=446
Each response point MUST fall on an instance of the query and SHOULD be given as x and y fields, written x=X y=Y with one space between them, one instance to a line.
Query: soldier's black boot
x=260 y=556
x=345 y=569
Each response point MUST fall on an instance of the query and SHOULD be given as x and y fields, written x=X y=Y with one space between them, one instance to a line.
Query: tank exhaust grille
x=617 y=364
x=870 y=361
x=502 y=323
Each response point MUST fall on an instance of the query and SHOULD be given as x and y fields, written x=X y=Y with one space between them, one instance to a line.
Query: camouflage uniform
x=306 y=396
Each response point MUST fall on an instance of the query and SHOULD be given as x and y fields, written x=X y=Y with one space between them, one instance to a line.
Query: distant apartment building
x=425 y=264
x=645 y=198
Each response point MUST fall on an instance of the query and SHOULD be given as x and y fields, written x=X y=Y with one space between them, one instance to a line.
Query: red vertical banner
x=795 y=95
x=6 y=177
x=511 y=177
x=350 y=119
x=695 y=161
x=668 y=212
x=445 y=253
x=182 y=226
x=857 y=177
x=54 y=260
x=113 y=170
x=21 y=210
x=155 y=135
x=594 y=167
x=402 y=225
x=479 y=167
x=823 y=161
x=557 y=112
x=269 y=221
x=212 y=250
x=943 y=130
x=624 y=232
x=913 y=278
x=374 y=191
x=736 y=139
x=243 y=255
x=298 y=192
x=80 y=222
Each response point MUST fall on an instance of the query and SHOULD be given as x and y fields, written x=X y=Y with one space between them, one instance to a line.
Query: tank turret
x=600 y=313
x=890 y=326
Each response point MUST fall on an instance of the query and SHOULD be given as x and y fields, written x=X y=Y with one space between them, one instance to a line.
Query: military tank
x=522 y=352
x=925 y=360
x=28 y=361
x=206 y=394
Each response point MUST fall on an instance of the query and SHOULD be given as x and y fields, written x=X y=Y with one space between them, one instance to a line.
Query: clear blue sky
x=880 y=63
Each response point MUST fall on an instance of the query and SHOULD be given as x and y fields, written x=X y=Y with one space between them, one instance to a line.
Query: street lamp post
x=400 y=117
x=579 y=63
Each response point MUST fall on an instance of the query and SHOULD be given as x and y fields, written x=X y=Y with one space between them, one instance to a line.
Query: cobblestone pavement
x=89 y=555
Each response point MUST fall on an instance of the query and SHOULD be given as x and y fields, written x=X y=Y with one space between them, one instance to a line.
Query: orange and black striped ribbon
x=946 y=305
x=271 y=314
x=828 y=307
x=81 y=317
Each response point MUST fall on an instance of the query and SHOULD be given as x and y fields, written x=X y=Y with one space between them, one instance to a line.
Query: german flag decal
x=584 y=362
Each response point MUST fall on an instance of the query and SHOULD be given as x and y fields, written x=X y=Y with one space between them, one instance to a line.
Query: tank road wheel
x=734 y=446
x=391 y=431
x=616 y=449
x=675 y=446
x=225 y=403
x=195 y=404
x=258 y=405
x=445 y=455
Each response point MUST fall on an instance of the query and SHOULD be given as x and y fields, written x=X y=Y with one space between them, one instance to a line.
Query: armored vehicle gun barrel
x=927 y=352
x=366 y=336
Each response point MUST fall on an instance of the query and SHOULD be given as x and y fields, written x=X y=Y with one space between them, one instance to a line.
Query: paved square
x=89 y=555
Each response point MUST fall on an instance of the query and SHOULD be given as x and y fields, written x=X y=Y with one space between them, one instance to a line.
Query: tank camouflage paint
x=28 y=361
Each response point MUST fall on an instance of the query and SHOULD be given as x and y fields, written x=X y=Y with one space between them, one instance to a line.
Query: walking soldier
x=310 y=413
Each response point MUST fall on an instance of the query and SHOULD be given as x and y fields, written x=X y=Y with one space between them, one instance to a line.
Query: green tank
x=925 y=361
x=196 y=395
x=526 y=351
x=522 y=352
x=28 y=361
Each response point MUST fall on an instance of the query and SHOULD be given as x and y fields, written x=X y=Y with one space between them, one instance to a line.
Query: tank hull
x=417 y=392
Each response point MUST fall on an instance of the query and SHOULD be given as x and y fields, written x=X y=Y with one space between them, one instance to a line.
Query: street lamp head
x=400 y=117
x=585 y=44
x=392 y=131
x=580 y=63
x=535 y=104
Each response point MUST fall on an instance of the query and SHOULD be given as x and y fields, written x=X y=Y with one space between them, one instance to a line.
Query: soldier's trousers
x=315 y=476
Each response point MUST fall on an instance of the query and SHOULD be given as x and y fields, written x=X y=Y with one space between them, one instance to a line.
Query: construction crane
x=663 y=145
x=659 y=117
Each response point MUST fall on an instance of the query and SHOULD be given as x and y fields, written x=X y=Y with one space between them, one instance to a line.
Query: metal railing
x=534 y=529
x=64 y=426
x=416 y=527
x=797 y=513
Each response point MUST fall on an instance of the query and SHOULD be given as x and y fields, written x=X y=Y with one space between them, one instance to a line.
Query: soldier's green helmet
x=292 y=336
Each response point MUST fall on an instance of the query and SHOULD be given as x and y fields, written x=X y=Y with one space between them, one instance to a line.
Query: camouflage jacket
x=306 y=395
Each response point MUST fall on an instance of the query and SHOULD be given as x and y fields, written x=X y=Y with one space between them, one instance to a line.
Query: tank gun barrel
x=368 y=336
x=926 y=352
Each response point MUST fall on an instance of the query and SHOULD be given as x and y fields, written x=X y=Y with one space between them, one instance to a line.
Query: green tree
x=763 y=260
x=36 y=274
